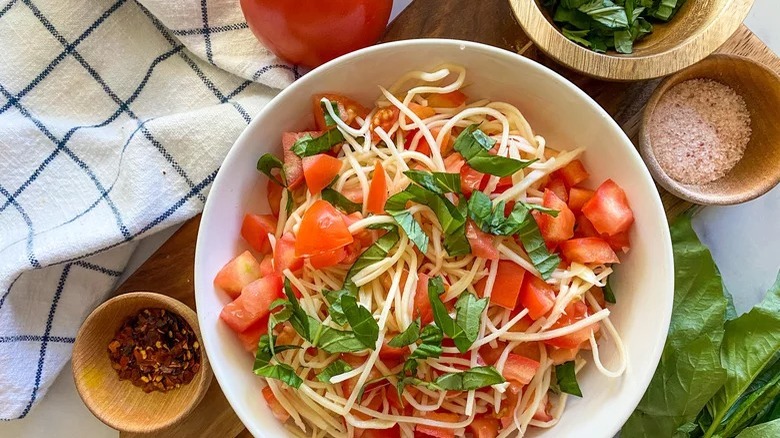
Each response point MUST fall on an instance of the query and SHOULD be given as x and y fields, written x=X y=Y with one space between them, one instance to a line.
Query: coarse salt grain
x=699 y=131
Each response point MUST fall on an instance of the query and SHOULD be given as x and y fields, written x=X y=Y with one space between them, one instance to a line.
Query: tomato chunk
x=253 y=304
x=452 y=99
x=585 y=228
x=377 y=191
x=267 y=265
x=557 y=186
x=421 y=111
x=328 y=258
x=421 y=302
x=346 y=108
x=293 y=165
x=319 y=171
x=619 y=241
x=255 y=229
x=588 y=250
x=542 y=411
x=322 y=229
x=237 y=273
x=284 y=255
x=520 y=369
x=392 y=353
x=481 y=242
x=470 y=180
x=484 y=426
x=274 y=194
x=608 y=210
x=574 y=312
x=578 y=197
x=384 y=118
x=573 y=173
x=277 y=409
x=437 y=432
x=506 y=289
x=555 y=229
x=536 y=296
x=393 y=432
x=251 y=336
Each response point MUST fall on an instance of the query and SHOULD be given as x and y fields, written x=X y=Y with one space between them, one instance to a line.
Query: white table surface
x=744 y=239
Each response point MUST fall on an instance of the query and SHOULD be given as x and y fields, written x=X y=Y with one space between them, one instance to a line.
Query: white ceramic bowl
x=556 y=109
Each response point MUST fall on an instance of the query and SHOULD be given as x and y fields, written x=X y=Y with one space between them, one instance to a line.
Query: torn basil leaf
x=328 y=119
x=436 y=182
x=282 y=372
x=609 y=295
x=340 y=201
x=334 y=369
x=307 y=145
x=263 y=367
x=474 y=145
x=363 y=324
x=474 y=378
x=375 y=253
x=464 y=329
x=567 y=379
x=430 y=346
x=408 y=336
x=267 y=164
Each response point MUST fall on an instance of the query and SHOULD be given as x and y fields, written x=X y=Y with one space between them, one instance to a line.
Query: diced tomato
x=277 y=409
x=328 y=258
x=536 y=296
x=319 y=171
x=491 y=355
x=484 y=426
x=562 y=355
x=237 y=273
x=354 y=194
x=422 y=112
x=446 y=143
x=293 y=165
x=437 y=432
x=470 y=179
x=453 y=99
x=274 y=193
x=506 y=289
x=574 y=312
x=557 y=186
x=529 y=350
x=322 y=229
x=377 y=191
x=384 y=118
x=347 y=109
x=555 y=229
x=267 y=265
x=284 y=254
x=253 y=304
x=542 y=411
x=421 y=302
x=523 y=325
x=255 y=229
x=619 y=241
x=454 y=162
x=585 y=228
x=387 y=352
x=393 y=432
x=251 y=336
x=608 y=210
x=573 y=173
x=481 y=242
x=578 y=197
x=520 y=369
x=588 y=250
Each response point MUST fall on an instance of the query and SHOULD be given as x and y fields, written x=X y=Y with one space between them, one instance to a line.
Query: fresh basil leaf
x=456 y=243
x=764 y=430
x=373 y=254
x=282 y=372
x=396 y=207
x=573 y=17
x=474 y=378
x=284 y=314
x=267 y=164
x=468 y=316
x=474 y=145
x=307 y=145
x=606 y=13
x=690 y=371
x=436 y=182
x=328 y=119
x=578 y=36
x=334 y=298
x=290 y=203
x=431 y=337
x=609 y=295
x=540 y=208
x=361 y=320
x=408 y=336
x=664 y=9
x=337 y=341
x=340 y=201
x=533 y=243
x=760 y=395
x=334 y=369
x=567 y=379
x=299 y=320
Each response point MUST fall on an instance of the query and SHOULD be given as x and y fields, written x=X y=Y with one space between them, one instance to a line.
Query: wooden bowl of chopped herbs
x=139 y=363
x=628 y=40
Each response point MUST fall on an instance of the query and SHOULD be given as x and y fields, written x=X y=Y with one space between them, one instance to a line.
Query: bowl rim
x=221 y=178
x=629 y=67
x=205 y=373
x=685 y=191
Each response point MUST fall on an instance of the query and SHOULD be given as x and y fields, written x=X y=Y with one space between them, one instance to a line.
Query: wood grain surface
x=170 y=269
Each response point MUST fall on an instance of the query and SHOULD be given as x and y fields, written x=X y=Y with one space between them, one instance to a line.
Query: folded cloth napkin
x=114 y=118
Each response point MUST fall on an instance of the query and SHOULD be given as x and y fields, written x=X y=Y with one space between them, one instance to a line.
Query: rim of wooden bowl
x=757 y=187
x=629 y=67
x=84 y=355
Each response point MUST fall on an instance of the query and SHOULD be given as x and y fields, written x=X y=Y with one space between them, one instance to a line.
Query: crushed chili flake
x=156 y=350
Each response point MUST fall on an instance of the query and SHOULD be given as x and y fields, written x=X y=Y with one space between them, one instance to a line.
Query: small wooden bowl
x=698 y=28
x=116 y=402
x=759 y=169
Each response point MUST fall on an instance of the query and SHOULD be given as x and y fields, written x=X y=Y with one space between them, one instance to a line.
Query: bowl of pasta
x=433 y=238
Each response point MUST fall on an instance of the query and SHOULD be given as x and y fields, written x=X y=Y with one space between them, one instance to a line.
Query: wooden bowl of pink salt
x=711 y=133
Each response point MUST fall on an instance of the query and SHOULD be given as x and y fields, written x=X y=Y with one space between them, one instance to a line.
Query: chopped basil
x=474 y=145
x=263 y=367
x=606 y=13
x=267 y=164
x=474 y=378
x=282 y=372
x=335 y=311
x=375 y=253
x=276 y=318
x=328 y=119
x=431 y=337
x=361 y=320
x=396 y=207
x=408 y=336
x=290 y=203
x=334 y=369
x=464 y=329
x=534 y=244
x=307 y=145
x=609 y=295
x=567 y=379
x=436 y=182
x=340 y=201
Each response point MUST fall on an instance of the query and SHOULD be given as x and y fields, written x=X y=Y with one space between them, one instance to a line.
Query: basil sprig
x=474 y=145
x=464 y=329
x=567 y=379
x=340 y=201
x=307 y=145
x=267 y=163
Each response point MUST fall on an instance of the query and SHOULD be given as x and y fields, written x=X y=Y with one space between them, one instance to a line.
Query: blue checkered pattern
x=114 y=118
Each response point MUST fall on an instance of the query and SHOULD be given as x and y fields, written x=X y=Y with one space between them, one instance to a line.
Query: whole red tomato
x=312 y=32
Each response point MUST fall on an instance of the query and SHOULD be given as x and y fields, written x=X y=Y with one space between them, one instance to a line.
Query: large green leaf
x=766 y=430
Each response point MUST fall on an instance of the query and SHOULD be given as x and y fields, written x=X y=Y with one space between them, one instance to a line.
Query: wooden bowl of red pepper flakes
x=138 y=362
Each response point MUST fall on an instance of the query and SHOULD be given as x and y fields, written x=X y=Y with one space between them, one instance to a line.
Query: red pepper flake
x=156 y=350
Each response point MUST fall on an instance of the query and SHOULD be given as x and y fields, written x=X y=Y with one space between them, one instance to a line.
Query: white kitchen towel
x=114 y=118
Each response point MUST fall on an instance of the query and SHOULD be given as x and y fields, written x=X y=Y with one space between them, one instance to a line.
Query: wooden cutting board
x=170 y=269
